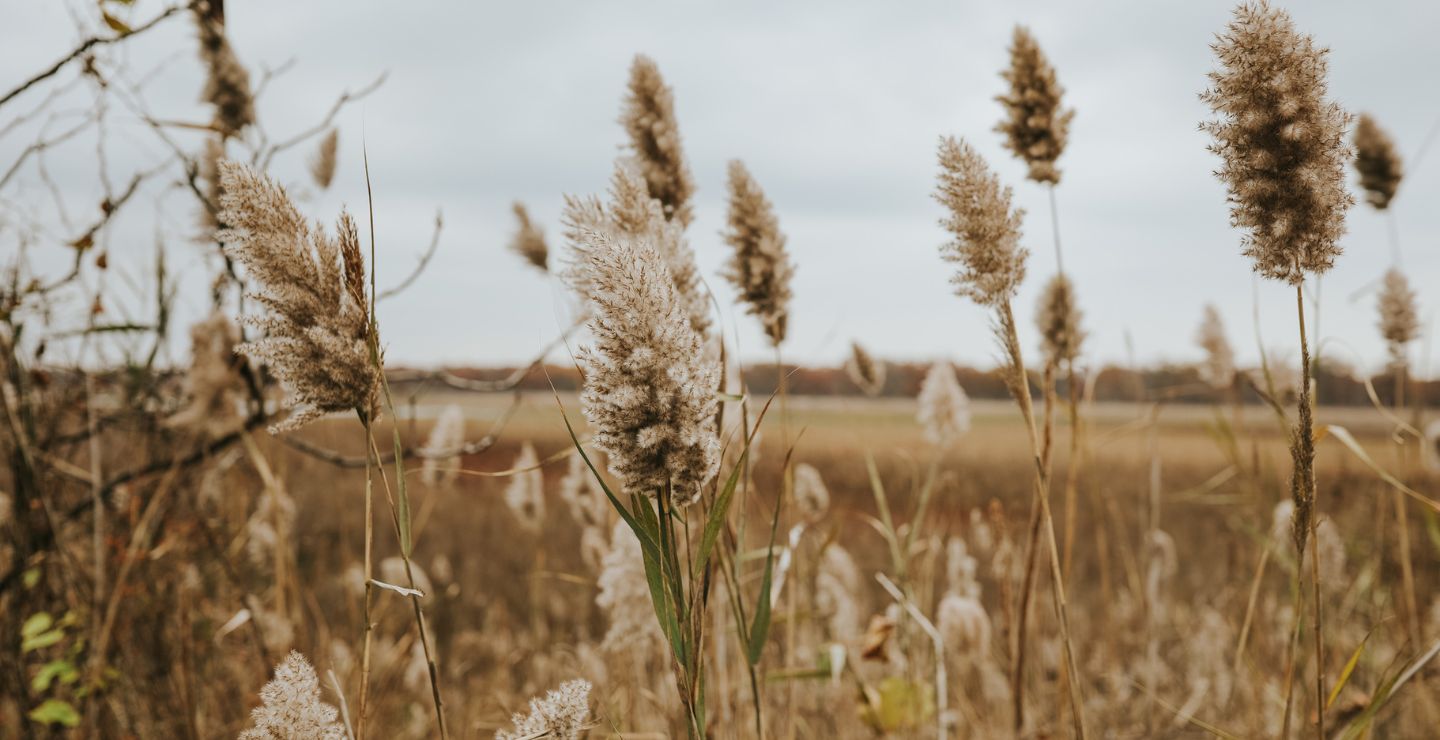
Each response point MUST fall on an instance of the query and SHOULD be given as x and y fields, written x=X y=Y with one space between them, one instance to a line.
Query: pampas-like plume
x=227 y=85
x=964 y=624
x=322 y=165
x=1282 y=144
x=760 y=268
x=1035 y=125
x=944 y=412
x=1377 y=162
x=987 y=230
x=648 y=116
x=634 y=214
x=525 y=496
x=1399 y=322
x=1058 y=319
x=1218 y=368
x=867 y=373
x=625 y=597
x=562 y=715
x=442 y=447
x=582 y=494
x=649 y=385
x=313 y=289
x=291 y=708
x=212 y=381
x=207 y=172
x=812 y=498
x=529 y=240
x=837 y=592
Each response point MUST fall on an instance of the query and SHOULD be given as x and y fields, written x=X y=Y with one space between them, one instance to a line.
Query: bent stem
x=370 y=463
x=1304 y=491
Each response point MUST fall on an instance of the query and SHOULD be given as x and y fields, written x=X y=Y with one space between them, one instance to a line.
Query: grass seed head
x=986 y=229
x=1377 y=161
x=1036 y=125
x=648 y=115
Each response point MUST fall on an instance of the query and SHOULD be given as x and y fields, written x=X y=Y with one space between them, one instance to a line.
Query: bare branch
x=484 y=386
x=345 y=99
x=419 y=268
x=469 y=448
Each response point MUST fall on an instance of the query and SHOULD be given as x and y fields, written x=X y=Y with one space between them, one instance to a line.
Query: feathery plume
x=563 y=714
x=1218 y=368
x=207 y=172
x=1036 y=125
x=867 y=373
x=313 y=289
x=1058 y=318
x=634 y=214
x=525 y=496
x=837 y=592
x=963 y=624
x=986 y=228
x=944 y=412
x=442 y=447
x=625 y=597
x=227 y=84
x=649 y=385
x=212 y=382
x=1282 y=144
x=529 y=240
x=291 y=707
x=812 y=498
x=322 y=165
x=581 y=492
x=760 y=268
x=648 y=115
x=1377 y=161
x=1399 y=322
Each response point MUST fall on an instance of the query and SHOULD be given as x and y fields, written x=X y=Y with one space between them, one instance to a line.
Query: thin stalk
x=370 y=464
x=1305 y=486
x=1072 y=467
x=1055 y=226
x=1394 y=230
x=1402 y=521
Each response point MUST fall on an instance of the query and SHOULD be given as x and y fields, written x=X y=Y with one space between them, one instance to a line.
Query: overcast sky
x=835 y=107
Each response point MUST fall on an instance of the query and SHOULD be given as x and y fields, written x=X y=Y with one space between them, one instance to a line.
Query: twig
x=348 y=461
x=346 y=98
x=424 y=261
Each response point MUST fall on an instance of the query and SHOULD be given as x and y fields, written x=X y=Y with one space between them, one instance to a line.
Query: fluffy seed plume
x=525 y=495
x=1218 y=368
x=633 y=214
x=322 y=164
x=227 y=84
x=529 y=240
x=624 y=597
x=1399 y=320
x=985 y=227
x=207 y=172
x=562 y=715
x=291 y=708
x=648 y=115
x=944 y=412
x=1282 y=144
x=581 y=492
x=212 y=382
x=442 y=448
x=312 y=286
x=964 y=625
x=760 y=269
x=1058 y=318
x=1035 y=123
x=1377 y=161
x=649 y=385
x=867 y=373
x=812 y=498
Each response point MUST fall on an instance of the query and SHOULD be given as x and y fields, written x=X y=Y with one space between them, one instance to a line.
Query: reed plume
x=207 y=175
x=624 y=597
x=760 y=268
x=529 y=240
x=1036 y=124
x=322 y=165
x=1218 y=368
x=564 y=714
x=1377 y=161
x=312 y=287
x=648 y=115
x=866 y=372
x=985 y=227
x=582 y=494
x=649 y=385
x=525 y=495
x=442 y=448
x=1058 y=318
x=1281 y=142
x=291 y=707
x=944 y=412
x=1399 y=320
x=227 y=82
x=812 y=498
x=632 y=213
x=213 y=381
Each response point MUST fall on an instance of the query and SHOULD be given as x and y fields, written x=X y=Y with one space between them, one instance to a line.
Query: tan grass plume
x=1036 y=125
x=291 y=707
x=1377 y=161
x=944 y=409
x=759 y=268
x=1058 y=318
x=529 y=240
x=648 y=115
x=986 y=228
x=1218 y=367
x=525 y=493
x=323 y=163
x=866 y=372
x=227 y=84
x=1399 y=319
x=564 y=714
x=212 y=383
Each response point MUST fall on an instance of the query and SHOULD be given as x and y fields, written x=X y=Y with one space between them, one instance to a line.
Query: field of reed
x=646 y=532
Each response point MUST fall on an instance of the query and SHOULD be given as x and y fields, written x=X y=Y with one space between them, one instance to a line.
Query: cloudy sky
x=835 y=107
